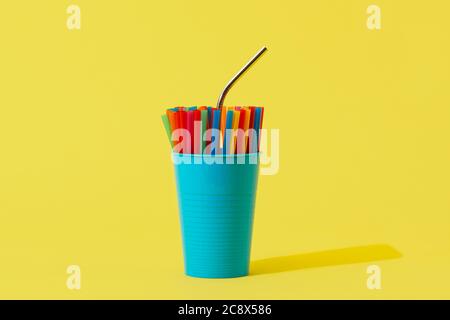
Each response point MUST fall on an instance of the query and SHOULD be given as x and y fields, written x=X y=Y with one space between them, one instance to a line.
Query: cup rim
x=198 y=155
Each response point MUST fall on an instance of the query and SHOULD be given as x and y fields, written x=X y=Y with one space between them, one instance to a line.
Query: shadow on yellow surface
x=326 y=258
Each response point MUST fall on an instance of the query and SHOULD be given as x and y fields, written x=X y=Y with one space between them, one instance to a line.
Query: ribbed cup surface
x=216 y=203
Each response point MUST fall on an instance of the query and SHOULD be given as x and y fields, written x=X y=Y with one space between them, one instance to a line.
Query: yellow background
x=85 y=171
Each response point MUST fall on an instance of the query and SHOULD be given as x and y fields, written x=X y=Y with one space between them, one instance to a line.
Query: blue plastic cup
x=216 y=203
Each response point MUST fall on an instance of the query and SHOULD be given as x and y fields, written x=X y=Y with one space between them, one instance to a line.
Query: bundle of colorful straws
x=207 y=130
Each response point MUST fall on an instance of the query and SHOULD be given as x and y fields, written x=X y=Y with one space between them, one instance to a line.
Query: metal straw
x=238 y=75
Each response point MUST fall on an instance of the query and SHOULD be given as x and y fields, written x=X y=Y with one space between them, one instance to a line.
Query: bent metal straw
x=238 y=75
x=238 y=126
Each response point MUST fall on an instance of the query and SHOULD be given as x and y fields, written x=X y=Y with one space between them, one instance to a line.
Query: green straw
x=166 y=124
x=204 y=119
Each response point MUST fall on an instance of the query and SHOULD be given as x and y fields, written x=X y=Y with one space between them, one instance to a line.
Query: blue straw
x=257 y=125
x=216 y=125
x=210 y=116
x=228 y=131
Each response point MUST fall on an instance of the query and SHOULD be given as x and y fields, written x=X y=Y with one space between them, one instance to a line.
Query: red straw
x=183 y=125
x=197 y=133
x=250 y=127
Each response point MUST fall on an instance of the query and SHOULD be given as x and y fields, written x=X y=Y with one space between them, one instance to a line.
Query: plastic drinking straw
x=262 y=116
x=260 y=126
x=210 y=118
x=236 y=116
x=209 y=123
x=176 y=120
x=223 y=120
x=204 y=116
x=246 y=125
x=216 y=125
x=183 y=115
x=182 y=122
x=250 y=126
x=240 y=146
x=228 y=128
x=190 y=127
x=257 y=124
x=241 y=118
x=171 y=117
x=252 y=118
x=197 y=132
x=166 y=124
